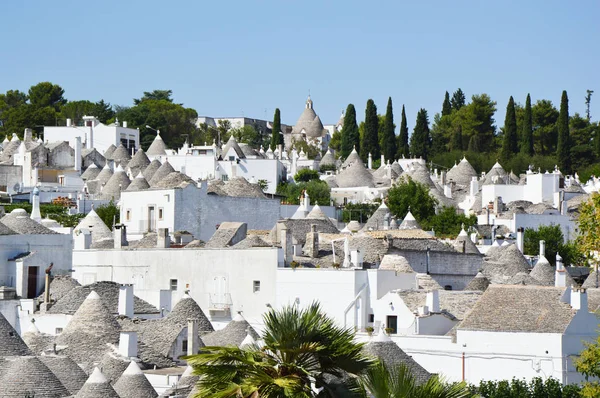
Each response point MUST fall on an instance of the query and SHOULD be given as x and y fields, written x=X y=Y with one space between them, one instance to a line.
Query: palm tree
x=381 y=381
x=304 y=354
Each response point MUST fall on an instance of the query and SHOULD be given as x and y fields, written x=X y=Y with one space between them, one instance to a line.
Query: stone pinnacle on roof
x=27 y=376
x=139 y=183
x=91 y=172
x=104 y=174
x=95 y=225
x=97 y=386
x=409 y=222
x=158 y=147
x=134 y=384
x=138 y=163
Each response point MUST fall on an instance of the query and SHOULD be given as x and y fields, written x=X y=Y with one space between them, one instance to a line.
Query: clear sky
x=233 y=58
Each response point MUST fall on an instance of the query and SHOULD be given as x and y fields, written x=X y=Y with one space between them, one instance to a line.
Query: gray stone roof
x=502 y=309
x=149 y=171
x=462 y=173
x=109 y=152
x=113 y=365
x=90 y=173
x=395 y=262
x=409 y=222
x=397 y=168
x=355 y=175
x=95 y=225
x=426 y=282
x=104 y=174
x=116 y=184
x=90 y=331
x=384 y=349
x=174 y=180
x=164 y=170
x=543 y=272
x=138 y=163
x=158 y=147
x=184 y=386
x=38 y=342
x=195 y=244
x=12 y=343
x=121 y=156
x=479 y=282
x=300 y=227
x=66 y=370
x=418 y=173
x=351 y=159
x=109 y=294
x=4 y=230
x=456 y=303
x=590 y=281
x=375 y=222
x=134 y=384
x=27 y=376
x=139 y=183
x=96 y=386
x=240 y=187
x=308 y=122
x=228 y=234
x=251 y=241
x=496 y=175
x=232 y=144
x=231 y=335
x=504 y=263
x=328 y=159
x=19 y=221
x=317 y=214
x=247 y=150
x=470 y=246
x=59 y=286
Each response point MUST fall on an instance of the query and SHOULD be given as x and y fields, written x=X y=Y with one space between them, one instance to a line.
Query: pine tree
x=562 y=147
x=420 y=140
x=458 y=100
x=276 y=137
x=527 y=133
x=403 y=149
x=350 y=136
x=456 y=143
x=389 y=135
x=510 y=144
x=473 y=144
x=370 y=139
x=447 y=106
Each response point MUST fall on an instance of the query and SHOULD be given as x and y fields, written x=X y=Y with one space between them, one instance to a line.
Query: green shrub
x=306 y=175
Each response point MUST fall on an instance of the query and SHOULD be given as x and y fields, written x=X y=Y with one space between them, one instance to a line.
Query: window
x=160 y=213
x=128 y=215
x=225 y=177
x=231 y=158
x=255 y=286
x=58 y=330
x=173 y=284
x=448 y=287
x=371 y=318
x=184 y=345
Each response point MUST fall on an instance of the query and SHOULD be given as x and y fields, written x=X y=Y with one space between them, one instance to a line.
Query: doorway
x=32 y=282
x=151 y=219
x=392 y=324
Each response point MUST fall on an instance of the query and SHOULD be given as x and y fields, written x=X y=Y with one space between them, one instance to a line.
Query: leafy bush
x=318 y=191
x=327 y=167
x=358 y=212
x=305 y=175
x=447 y=223
x=109 y=213
x=414 y=195
x=518 y=388
x=554 y=239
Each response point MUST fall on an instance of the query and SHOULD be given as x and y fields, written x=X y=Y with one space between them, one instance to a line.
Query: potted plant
x=388 y=331
x=369 y=330
x=294 y=264
x=336 y=265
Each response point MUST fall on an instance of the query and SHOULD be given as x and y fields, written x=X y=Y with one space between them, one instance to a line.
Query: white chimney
x=126 y=300
x=433 y=300
x=521 y=239
x=542 y=248
x=423 y=310
x=382 y=160
x=125 y=124
x=163 y=241
x=69 y=123
x=287 y=244
x=306 y=201
x=474 y=187
x=370 y=161
x=28 y=135
x=128 y=344
x=78 y=154
x=579 y=300
x=82 y=239
x=120 y=236
x=560 y=275
x=192 y=337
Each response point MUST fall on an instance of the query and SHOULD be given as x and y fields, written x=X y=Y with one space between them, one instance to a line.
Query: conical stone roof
x=116 y=184
x=232 y=144
x=470 y=246
x=121 y=155
x=188 y=308
x=138 y=163
x=139 y=183
x=27 y=376
x=108 y=154
x=185 y=385
x=355 y=175
x=480 y=282
x=149 y=171
x=11 y=343
x=397 y=168
x=164 y=170
x=157 y=148
x=134 y=384
x=543 y=272
x=462 y=173
x=113 y=365
x=352 y=158
x=95 y=225
x=19 y=221
x=104 y=174
x=97 y=386
x=316 y=214
x=231 y=335
x=90 y=331
x=376 y=221
x=306 y=118
x=91 y=173
x=66 y=370
x=37 y=341
x=409 y=222
x=328 y=159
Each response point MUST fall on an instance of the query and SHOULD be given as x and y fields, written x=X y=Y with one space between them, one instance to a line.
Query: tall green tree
x=420 y=140
x=456 y=143
x=414 y=195
x=403 y=148
x=545 y=116
x=303 y=349
x=389 y=136
x=46 y=94
x=458 y=100
x=527 y=131
x=15 y=112
x=447 y=106
x=75 y=110
x=350 y=135
x=370 y=139
x=563 y=145
x=159 y=95
x=510 y=144
x=276 y=137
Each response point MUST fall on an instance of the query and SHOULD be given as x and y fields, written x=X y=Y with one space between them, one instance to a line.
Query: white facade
x=539 y=188
x=568 y=226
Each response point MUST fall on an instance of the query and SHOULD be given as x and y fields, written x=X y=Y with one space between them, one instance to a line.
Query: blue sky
x=228 y=58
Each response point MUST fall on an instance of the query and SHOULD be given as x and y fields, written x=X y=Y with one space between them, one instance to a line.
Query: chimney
x=280 y=149
x=473 y=188
x=69 y=123
x=126 y=300
x=433 y=300
x=128 y=344
x=233 y=169
x=560 y=276
x=382 y=160
x=28 y=135
x=386 y=221
x=306 y=200
x=498 y=205
x=163 y=240
x=125 y=124
x=82 y=239
x=443 y=178
x=90 y=143
x=192 y=337
x=313 y=238
x=461 y=246
x=579 y=300
x=521 y=239
x=370 y=161
x=78 y=154
x=286 y=244
x=542 y=248
x=120 y=236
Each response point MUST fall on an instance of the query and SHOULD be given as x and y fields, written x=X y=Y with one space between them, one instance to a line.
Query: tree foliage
x=276 y=137
x=414 y=195
x=420 y=140
x=403 y=148
x=458 y=100
x=388 y=147
x=588 y=239
x=510 y=143
x=554 y=238
x=563 y=144
x=109 y=213
x=370 y=140
x=350 y=135
x=318 y=191
x=518 y=388
x=448 y=223
x=305 y=175
x=446 y=106
x=527 y=130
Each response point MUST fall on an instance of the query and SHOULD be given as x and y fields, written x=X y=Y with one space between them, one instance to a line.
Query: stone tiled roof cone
x=95 y=225
x=12 y=343
x=66 y=370
x=352 y=158
x=409 y=222
x=462 y=173
x=104 y=174
x=185 y=385
x=139 y=183
x=97 y=386
x=231 y=335
x=158 y=147
x=138 y=163
x=149 y=171
x=91 y=172
x=164 y=170
x=19 y=221
x=108 y=154
x=27 y=376
x=134 y=384
x=121 y=155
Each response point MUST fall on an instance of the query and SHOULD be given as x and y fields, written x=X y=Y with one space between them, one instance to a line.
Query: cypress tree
x=458 y=100
x=370 y=142
x=276 y=138
x=562 y=147
x=510 y=144
x=389 y=136
x=420 y=141
x=403 y=150
x=527 y=133
x=446 y=107
x=350 y=136
x=456 y=143
x=473 y=144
